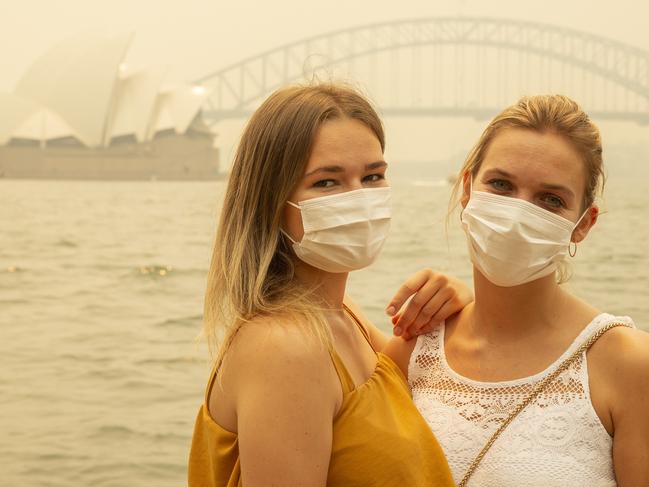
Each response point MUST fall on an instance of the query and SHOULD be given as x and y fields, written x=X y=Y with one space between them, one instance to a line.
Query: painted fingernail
x=397 y=330
x=390 y=311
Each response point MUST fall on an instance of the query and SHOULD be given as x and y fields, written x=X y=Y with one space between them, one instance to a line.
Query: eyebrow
x=338 y=169
x=553 y=187
x=557 y=187
x=499 y=172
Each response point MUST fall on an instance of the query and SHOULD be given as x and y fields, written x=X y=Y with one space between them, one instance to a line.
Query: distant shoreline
x=168 y=158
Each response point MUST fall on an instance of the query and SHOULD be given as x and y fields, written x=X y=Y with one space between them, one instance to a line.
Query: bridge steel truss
x=236 y=88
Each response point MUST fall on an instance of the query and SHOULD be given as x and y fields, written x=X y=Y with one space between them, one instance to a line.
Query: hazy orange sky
x=195 y=37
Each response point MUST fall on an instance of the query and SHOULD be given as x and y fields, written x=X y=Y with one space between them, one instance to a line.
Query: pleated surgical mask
x=343 y=231
x=512 y=241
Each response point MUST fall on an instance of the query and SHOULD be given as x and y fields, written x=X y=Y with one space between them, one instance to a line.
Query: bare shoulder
x=277 y=344
x=400 y=351
x=620 y=349
x=622 y=355
x=275 y=357
x=285 y=394
x=623 y=345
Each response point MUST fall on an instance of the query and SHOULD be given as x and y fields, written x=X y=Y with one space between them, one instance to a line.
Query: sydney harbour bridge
x=447 y=67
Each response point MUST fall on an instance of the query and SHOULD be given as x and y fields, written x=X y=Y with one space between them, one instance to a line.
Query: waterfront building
x=79 y=112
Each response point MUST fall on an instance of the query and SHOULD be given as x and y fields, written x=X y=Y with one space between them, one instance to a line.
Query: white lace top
x=558 y=440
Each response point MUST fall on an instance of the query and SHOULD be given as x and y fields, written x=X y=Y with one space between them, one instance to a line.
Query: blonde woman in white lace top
x=528 y=192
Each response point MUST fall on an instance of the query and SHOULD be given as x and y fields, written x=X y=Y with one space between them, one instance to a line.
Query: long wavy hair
x=252 y=271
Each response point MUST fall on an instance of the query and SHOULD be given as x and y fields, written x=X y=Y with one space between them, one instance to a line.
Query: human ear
x=466 y=189
x=586 y=223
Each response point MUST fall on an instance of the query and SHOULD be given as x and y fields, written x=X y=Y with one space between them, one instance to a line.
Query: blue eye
x=500 y=185
x=553 y=201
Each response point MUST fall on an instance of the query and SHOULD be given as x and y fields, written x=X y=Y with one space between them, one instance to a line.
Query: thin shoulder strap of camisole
x=343 y=375
x=362 y=329
x=210 y=382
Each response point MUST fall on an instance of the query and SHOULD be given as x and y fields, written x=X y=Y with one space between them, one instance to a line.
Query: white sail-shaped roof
x=77 y=80
x=161 y=117
x=26 y=119
x=43 y=124
x=185 y=103
x=80 y=88
x=15 y=110
x=135 y=103
x=176 y=108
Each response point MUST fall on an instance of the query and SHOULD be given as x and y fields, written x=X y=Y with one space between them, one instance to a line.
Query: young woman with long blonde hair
x=300 y=393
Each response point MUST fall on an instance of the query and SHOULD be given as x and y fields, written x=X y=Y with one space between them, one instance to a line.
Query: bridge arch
x=236 y=87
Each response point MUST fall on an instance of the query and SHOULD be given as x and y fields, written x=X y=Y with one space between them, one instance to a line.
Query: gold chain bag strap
x=540 y=387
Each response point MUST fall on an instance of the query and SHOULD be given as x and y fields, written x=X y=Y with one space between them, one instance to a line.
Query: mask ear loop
x=282 y=230
x=287 y=236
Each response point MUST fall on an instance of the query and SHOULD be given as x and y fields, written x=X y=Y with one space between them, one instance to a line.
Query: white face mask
x=513 y=241
x=344 y=231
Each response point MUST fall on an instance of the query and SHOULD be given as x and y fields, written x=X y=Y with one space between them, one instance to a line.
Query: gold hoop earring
x=570 y=251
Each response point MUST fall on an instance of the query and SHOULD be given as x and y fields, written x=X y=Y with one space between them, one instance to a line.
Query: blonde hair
x=252 y=268
x=544 y=113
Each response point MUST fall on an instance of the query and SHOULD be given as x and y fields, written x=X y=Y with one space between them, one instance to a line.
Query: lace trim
x=559 y=436
x=599 y=320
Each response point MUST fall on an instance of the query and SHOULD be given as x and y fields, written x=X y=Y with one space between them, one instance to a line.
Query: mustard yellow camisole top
x=379 y=437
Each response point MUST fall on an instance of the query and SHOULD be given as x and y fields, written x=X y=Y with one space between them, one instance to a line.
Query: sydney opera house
x=80 y=113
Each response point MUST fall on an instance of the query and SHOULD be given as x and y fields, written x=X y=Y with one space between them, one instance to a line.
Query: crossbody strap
x=540 y=387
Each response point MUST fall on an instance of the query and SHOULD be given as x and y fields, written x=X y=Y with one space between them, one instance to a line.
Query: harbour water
x=101 y=289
